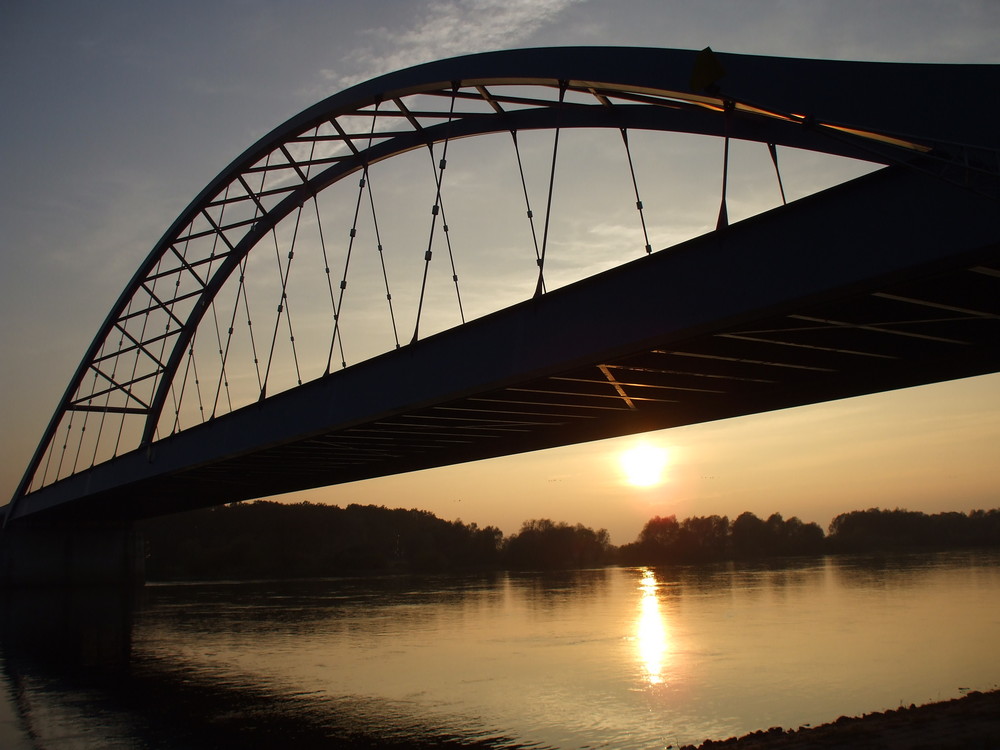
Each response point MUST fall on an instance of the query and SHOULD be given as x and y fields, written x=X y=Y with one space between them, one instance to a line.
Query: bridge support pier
x=71 y=556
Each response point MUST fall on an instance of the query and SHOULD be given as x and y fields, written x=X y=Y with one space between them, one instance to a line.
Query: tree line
x=710 y=538
x=266 y=539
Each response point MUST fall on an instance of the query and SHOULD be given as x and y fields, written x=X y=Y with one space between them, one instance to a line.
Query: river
x=614 y=657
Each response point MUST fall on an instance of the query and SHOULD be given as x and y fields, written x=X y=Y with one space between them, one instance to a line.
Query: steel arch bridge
x=884 y=282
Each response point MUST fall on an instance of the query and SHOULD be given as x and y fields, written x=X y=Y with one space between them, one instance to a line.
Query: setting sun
x=644 y=464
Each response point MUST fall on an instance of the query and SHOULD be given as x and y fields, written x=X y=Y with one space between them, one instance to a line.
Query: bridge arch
x=135 y=360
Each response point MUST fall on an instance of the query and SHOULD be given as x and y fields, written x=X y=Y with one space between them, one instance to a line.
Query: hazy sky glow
x=116 y=114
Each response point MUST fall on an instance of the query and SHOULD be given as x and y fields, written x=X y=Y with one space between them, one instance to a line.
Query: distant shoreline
x=972 y=721
x=267 y=539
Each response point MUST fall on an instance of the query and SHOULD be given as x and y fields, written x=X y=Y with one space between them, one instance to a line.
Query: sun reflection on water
x=651 y=630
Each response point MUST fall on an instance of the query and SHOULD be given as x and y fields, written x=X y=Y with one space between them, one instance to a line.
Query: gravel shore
x=968 y=723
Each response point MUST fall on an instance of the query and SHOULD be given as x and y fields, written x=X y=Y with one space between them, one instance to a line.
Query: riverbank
x=972 y=721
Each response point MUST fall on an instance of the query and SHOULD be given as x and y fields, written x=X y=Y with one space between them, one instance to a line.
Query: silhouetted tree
x=276 y=540
x=799 y=538
x=704 y=538
x=876 y=530
x=707 y=538
x=657 y=543
x=544 y=544
x=751 y=536
x=663 y=540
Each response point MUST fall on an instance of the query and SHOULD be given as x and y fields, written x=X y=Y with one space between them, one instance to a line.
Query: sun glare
x=651 y=638
x=644 y=464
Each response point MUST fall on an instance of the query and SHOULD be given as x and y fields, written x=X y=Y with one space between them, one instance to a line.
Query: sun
x=644 y=464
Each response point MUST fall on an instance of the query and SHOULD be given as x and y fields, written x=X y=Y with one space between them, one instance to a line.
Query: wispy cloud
x=446 y=28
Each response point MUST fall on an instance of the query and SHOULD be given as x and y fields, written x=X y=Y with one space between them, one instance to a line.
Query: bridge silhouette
x=887 y=281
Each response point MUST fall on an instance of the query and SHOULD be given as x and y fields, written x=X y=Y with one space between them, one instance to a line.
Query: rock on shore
x=968 y=723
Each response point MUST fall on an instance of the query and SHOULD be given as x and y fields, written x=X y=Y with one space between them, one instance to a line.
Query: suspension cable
x=435 y=210
x=635 y=187
x=540 y=285
x=191 y=367
x=224 y=380
x=178 y=398
x=305 y=181
x=366 y=184
x=451 y=258
x=241 y=290
x=284 y=298
x=527 y=202
x=62 y=454
x=723 y=220
x=773 y=150
x=246 y=309
x=79 y=444
x=338 y=306
x=381 y=256
x=329 y=287
x=48 y=463
x=283 y=309
x=223 y=351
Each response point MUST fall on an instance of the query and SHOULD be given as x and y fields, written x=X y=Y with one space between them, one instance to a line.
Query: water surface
x=616 y=657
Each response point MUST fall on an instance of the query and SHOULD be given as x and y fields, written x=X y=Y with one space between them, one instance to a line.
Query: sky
x=117 y=113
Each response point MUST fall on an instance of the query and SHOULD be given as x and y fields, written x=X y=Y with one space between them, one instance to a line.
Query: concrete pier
x=71 y=556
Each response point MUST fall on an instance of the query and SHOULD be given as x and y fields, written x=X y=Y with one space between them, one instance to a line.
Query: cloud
x=447 y=28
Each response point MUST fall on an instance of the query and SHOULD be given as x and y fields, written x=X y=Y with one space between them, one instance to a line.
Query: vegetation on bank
x=266 y=539
x=710 y=538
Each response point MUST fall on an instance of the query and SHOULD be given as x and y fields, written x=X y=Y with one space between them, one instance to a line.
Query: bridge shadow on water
x=73 y=678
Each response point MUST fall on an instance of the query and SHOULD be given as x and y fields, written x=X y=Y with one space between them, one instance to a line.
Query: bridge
x=201 y=387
